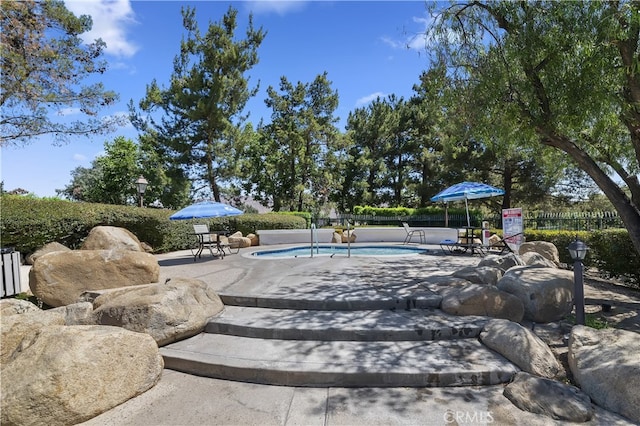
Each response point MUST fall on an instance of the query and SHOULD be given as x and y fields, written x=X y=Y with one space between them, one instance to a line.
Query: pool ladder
x=314 y=239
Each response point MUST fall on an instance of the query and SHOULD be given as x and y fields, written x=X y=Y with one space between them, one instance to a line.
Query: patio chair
x=502 y=243
x=412 y=232
x=207 y=240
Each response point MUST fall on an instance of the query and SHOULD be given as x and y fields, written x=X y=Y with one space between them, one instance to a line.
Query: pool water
x=339 y=250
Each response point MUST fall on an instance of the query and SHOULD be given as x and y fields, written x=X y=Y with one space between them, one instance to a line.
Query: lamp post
x=141 y=185
x=578 y=251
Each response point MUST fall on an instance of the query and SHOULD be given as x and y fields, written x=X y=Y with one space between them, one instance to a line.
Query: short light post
x=578 y=251
x=141 y=185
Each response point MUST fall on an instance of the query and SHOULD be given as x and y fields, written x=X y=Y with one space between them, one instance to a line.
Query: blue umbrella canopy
x=205 y=209
x=467 y=191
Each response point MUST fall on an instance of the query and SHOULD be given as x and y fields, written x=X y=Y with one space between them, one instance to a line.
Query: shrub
x=27 y=223
x=610 y=250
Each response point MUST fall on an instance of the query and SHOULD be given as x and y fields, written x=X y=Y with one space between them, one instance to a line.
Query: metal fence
x=568 y=221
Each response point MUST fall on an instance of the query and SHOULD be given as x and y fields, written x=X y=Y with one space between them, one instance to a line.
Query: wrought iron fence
x=568 y=221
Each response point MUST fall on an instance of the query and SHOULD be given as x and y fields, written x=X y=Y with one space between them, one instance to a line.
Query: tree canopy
x=194 y=121
x=565 y=72
x=44 y=67
x=290 y=164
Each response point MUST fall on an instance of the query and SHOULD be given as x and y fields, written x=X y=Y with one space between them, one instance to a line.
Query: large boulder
x=348 y=237
x=168 y=312
x=479 y=274
x=520 y=346
x=255 y=240
x=80 y=313
x=503 y=262
x=547 y=293
x=545 y=249
x=47 y=248
x=483 y=300
x=66 y=375
x=238 y=241
x=111 y=238
x=59 y=278
x=532 y=258
x=16 y=306
x=606 y=365
x=549 y=397
x=16 y=329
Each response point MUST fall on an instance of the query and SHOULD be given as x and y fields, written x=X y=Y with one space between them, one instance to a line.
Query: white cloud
x=80 y=158
x=111 y=20
x=372 y=97
x=280 y=7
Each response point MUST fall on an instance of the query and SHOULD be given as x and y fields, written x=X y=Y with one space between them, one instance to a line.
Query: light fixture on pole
x=578 y=251
x=141 y=185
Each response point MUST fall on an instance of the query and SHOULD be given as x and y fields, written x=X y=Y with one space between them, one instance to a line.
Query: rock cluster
x=98 y=346
x=604 y=363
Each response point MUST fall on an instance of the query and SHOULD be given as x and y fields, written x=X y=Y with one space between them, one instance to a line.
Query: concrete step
x=382 y=325
x=337 y=301
x=457 y=362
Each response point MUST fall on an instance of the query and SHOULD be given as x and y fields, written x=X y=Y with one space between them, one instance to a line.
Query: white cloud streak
x=111 y=22
x=370 y=98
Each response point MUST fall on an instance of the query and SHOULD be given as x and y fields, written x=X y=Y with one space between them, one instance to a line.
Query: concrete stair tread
x=458 y=362
x=363 y=325
x=327 y=300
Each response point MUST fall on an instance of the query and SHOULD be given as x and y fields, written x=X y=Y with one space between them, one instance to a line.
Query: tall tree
x=205 y=99
x=569 y=69
x=110 y=179
x=44 y=64
x=366 y=163
x=289 y=160
x=431 y=112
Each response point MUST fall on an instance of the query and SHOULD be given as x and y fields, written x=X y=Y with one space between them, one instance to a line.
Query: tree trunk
x=211 y=179
x=507 y=185
x=628 y=212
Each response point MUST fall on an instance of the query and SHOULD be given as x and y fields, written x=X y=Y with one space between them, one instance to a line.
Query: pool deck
x=184 y=399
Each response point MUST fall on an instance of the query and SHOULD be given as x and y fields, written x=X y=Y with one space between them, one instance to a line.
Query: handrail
x=348 y=239
x=314 y=231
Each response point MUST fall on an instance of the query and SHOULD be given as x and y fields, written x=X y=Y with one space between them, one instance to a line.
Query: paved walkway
x=182 y=399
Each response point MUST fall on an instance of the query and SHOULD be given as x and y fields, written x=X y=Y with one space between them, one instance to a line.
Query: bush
x=610 y=250
x=29 y=223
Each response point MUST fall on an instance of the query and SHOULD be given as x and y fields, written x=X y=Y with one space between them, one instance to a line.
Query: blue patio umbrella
x=467 y=191
x=205 y=209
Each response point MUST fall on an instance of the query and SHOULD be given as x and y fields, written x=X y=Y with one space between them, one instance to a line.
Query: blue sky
x=368 y=49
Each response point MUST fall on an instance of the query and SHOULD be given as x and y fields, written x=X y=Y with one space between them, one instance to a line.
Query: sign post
x=512 y=228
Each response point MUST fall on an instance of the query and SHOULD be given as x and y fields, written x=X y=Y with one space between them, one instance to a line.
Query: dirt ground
x=625 y=308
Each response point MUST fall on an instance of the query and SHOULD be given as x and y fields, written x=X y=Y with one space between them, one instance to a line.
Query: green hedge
x=406 y=211
x=28 y=223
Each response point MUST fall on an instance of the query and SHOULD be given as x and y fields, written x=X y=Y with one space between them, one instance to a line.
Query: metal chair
x=206 y=240
x=412 y=232
x=503 y=245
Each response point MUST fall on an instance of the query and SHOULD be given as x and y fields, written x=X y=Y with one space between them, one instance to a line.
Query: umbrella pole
x=446 y=215
x=466 y=204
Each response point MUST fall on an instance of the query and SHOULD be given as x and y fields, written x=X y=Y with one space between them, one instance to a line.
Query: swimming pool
x=338 y=250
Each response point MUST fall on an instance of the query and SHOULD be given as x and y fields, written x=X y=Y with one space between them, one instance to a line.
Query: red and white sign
x=512 y=227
